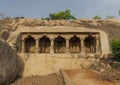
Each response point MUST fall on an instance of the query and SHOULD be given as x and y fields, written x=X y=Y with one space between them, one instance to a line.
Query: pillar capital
x=82 y=37
x=36 y=37
x=97 y=37
x=24 y=37
x=52 y=38
x=67 y=38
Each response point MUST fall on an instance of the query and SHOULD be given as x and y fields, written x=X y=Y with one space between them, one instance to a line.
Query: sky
x=42 y=8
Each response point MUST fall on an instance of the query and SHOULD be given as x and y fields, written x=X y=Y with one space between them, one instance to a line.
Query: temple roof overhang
x=59 y=29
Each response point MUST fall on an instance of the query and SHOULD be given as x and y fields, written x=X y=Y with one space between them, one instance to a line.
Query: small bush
x=19 y=17
x=115 y=46
x=97 y=17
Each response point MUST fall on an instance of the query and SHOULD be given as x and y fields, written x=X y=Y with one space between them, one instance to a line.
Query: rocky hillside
x=8 y=64
x=111 y=26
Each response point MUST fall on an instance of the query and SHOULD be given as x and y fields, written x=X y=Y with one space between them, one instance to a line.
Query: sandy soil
x=86 y=77
x=67 y=77
x=52 y=79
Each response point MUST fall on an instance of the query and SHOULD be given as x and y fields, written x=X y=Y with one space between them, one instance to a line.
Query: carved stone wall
x=44 y=64
x=62 y=43
x=46 y=50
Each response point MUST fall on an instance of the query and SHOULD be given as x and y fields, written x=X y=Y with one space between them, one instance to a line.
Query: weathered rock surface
x=111 y=26
x=51 y=79
x=4 y=34
x=13 y=26
x=8 y=63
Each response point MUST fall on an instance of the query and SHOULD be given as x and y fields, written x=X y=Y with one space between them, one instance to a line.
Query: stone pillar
x=67 y=45
x=97 y=45
x=37 y=45
x=82 y=38
x=23 y=46
x=52 y=46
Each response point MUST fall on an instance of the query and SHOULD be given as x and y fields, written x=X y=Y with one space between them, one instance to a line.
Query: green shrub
x=115 y=46
x=97 y=17
x=66 y=15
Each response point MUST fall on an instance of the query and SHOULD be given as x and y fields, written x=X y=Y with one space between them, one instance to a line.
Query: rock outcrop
x=8 y=64
x=111 y=26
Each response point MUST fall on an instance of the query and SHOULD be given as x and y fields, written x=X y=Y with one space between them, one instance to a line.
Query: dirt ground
x=52 y=79
x=86 y=77
x=74 y=77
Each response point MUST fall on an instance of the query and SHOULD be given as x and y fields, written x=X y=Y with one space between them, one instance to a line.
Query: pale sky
x=42 y=8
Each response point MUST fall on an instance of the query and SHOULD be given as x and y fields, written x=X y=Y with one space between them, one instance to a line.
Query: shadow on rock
x=10 y=64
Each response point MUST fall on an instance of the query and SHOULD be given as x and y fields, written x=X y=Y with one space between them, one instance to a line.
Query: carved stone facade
x=47 y=49
x=74 y=43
